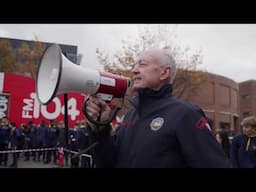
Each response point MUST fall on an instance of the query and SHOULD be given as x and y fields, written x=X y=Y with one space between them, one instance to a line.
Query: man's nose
x=135 y=69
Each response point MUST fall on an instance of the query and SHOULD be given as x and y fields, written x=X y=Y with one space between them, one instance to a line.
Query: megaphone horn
x=57 y=75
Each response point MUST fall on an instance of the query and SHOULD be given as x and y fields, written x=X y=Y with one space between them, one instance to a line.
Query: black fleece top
x=161 y=131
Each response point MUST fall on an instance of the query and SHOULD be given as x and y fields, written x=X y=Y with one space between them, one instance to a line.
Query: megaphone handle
x=98 y=123
x=98 y=120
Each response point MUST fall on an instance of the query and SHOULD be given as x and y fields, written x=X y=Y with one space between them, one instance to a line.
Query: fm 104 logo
x=4 y=100
x=32 y=108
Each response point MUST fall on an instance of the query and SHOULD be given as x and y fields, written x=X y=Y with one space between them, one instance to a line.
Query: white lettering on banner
x=54 y=114
x=72 y=111
x=36 y=111
x=27 y=108
x=3 y=106
x=32 y=108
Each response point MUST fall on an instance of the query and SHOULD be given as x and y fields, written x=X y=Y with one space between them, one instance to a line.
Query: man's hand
x=95 y=107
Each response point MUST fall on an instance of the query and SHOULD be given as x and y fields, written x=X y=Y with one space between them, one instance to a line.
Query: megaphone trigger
x=98 y=122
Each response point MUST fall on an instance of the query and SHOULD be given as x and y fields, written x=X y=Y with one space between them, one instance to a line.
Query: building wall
x=218 y=97
x=247 y=98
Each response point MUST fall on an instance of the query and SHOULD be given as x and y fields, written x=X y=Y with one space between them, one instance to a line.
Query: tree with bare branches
x=188 y=78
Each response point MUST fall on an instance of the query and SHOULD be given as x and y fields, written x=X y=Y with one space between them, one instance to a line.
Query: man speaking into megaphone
x=160 y=130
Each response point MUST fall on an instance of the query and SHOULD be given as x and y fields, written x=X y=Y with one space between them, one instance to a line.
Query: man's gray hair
x=168 y=60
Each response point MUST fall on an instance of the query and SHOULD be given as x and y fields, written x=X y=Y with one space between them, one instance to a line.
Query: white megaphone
x=57 y=75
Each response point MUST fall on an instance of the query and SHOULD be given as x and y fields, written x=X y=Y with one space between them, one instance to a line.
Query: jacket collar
x=147 y=96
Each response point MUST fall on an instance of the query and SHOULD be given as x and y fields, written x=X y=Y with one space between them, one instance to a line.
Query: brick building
x=247 y=91
x=219 y=98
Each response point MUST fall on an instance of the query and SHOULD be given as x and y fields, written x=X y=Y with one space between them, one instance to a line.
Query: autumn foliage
x=24 y=60
x=188 y=77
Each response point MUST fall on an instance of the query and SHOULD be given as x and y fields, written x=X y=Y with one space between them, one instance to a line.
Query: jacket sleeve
x=197 y=142
x=106 y=151
x=234 y=152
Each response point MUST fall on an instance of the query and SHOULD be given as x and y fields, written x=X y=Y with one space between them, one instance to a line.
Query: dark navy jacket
x=84 y=138
x=240 y=156
x=161 y=131
x=52 y=135
x=41 y=134
x=33 y=135
x=16 y=137
x=27 y=137
x=74 y=138
x=5 y=133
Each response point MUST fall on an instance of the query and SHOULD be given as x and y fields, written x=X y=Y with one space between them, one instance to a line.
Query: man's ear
x=165 y=73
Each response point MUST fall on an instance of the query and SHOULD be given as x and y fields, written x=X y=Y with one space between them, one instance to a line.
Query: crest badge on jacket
x=156 y=123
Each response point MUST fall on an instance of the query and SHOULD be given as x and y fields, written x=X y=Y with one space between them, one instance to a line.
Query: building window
x=72 y=57
x=224 y=126
x=246 y=114
x=245 y=97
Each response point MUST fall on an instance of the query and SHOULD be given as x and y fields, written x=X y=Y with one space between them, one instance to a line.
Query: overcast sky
x=227 y=49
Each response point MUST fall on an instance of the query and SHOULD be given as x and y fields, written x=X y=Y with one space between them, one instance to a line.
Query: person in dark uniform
x=51 y=141
x=23 y=127
x=27 y=141
x=33 y=136
x=84 y=144
x=41 y=140
x=19 y=140
x=5 y=132
x=14 y=141
x=223 y=139
x=243 y=146
x=73 y=139
x=159 y=131
x=62 y=140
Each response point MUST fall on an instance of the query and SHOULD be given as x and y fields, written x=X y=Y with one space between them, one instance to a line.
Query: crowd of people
x=240 y=148
x=46 y=139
